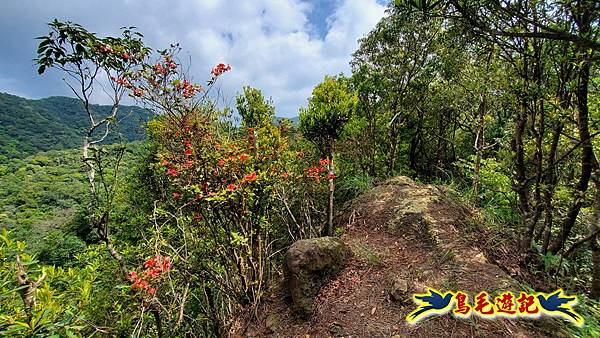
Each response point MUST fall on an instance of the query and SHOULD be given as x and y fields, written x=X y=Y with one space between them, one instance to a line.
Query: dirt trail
x=399 y=229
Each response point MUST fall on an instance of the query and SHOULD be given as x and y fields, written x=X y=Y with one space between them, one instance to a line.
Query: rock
x=308 y=265
x=272 y=323
x=399 y=290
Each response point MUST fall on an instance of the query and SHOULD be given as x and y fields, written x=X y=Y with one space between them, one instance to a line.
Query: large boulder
x=309 y=263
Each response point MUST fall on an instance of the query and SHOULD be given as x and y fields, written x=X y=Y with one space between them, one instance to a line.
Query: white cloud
x=272 y=48
x=270 y=44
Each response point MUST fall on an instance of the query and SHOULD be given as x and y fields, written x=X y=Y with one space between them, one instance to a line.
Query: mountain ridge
x=28 y=126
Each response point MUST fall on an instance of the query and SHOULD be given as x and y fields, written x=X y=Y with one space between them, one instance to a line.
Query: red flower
x=125 y=56
x=231 y=187
x=188 y=152
x=323 y=161
x=331 y=176
x=140 y=284
x=172 y=172
x=153 y=273
x=150 y=263
x=221 y=162
x=176 y=195
x=244 y=157
x=285 y=174
x=133 y=275
x=165 y=163
x=105 y=49
x=166 y=263
x=151 y=291
x=158 y=69
x=138 y=92
x=220 y=69
x=250 y=177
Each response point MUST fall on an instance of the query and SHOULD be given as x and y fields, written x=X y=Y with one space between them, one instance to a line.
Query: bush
x=60 y=249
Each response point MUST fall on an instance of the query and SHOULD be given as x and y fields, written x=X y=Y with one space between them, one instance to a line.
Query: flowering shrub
x=225 y=200
x=154 y=267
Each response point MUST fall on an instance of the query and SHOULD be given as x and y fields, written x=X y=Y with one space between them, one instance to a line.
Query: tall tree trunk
x=586 y=157
x=550 y=183
x=538 y=129
x=331 y=188
x=479 y=144
x=594 y=246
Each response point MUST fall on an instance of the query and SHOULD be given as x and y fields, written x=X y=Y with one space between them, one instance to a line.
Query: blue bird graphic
x=433 y=302
x=556 y=302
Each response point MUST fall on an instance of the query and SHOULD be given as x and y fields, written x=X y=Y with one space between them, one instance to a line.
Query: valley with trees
x=460 y=154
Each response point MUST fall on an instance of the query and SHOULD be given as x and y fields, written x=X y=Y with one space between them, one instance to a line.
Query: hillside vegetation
x=30 y=126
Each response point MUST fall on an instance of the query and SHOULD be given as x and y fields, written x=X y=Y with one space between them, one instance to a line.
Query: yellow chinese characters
x=504 y=305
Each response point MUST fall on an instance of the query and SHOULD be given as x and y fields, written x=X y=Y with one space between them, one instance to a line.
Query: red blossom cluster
x=105 y=49
x=250 y=177
x=220 y=69
x=159 y=69
x=315 y=172
x=172 y=172
x=187 y=89
x=187 y=164
x=169 y=62
x=153 y=268
x=122 y=81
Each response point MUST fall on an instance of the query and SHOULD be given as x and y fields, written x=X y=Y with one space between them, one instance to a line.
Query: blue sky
x=283 y=47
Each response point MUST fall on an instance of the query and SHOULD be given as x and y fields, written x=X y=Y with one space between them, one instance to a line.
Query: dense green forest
x=184 y=232
x=31 y=126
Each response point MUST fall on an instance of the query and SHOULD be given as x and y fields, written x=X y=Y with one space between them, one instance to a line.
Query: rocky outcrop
x=308 y=265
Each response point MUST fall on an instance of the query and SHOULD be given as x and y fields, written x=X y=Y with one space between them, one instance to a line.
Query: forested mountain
x=29 y=126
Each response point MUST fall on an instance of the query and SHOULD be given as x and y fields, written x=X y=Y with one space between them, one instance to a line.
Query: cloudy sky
x=283 y=47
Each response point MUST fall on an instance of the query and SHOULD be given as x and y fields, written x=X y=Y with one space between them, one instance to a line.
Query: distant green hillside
x=295 y=120
x=46 y=192
x=29 y=126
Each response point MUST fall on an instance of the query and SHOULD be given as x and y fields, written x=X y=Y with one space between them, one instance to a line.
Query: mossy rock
x=309 y=263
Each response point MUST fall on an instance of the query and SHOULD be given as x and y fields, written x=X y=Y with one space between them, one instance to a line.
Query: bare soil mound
x=407 y=231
